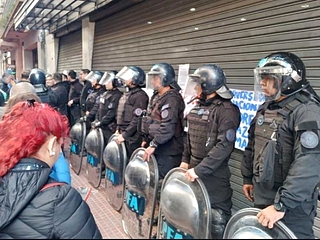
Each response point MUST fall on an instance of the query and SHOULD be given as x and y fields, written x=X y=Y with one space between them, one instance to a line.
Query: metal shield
x=77 y=135
x=115 y=159
x=244 y=225
x=184 y=210
x=94 y=145
x=141 y=188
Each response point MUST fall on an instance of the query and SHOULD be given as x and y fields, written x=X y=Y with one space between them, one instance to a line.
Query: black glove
x=95 y=124
x=83 y=119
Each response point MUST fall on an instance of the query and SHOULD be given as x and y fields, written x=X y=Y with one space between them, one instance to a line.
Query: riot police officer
x=131 y=105
x=281 y=163
x=106 y=105
x=212 y=125
x=163 y=124
x=38 y=79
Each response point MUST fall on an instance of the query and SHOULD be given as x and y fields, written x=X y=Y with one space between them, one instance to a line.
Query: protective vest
x=202 y=131
x=124 y=111
x=272 y=158
x=151 y=123
x=105 y=101
x=91 y=99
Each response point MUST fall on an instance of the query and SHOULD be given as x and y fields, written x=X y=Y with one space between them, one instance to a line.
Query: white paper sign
x=248 y=108
x=183 y=75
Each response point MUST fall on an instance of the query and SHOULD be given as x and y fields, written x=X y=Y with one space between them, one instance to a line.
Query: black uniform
x=74 y=94
x=212 y=126
x=164 y=126
x=86 y=90
x=282 y=159
x=131 y=105
x=106 y=112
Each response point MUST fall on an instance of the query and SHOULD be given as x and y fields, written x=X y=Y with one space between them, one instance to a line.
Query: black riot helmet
x=211 y=79
x=37 y=76
x=134 y=73
x=165 y=71
x=287 y=68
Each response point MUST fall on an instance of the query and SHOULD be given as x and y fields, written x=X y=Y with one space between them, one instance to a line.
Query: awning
x=53 y=14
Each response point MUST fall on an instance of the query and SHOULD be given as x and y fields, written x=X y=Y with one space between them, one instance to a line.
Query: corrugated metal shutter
x=70 y=52
x=214 y=33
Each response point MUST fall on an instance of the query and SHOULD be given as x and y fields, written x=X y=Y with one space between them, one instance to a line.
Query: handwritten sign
x=248 y=107
x=183 y=74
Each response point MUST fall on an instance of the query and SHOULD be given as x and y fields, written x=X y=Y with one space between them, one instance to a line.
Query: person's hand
x=143 y=143
x=149 y=151
x=248 y=191
x=269 y=216
x=184 y=165
x=95 y=124
x=70 y=103
x=87 y=113
x=120 y=139
x=191 y=175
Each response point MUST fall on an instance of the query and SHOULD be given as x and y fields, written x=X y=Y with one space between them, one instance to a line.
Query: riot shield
x=115 y=159
x=141 y=188
x=94 y=145
x=184 y=210
x=77 y=137
x=244 y=225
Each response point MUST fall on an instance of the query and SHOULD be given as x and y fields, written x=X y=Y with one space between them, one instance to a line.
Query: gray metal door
x=70 y=52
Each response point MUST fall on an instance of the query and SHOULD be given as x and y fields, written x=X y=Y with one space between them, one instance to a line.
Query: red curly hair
x=25 y=129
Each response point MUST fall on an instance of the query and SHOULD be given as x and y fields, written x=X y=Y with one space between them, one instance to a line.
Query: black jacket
x=57 y=212
x=62 y=92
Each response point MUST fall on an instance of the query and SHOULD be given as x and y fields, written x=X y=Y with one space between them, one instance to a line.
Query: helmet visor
x=192 y=88
x=93 y=77
x=268 y=81
x=126 y=74
x=106 y=78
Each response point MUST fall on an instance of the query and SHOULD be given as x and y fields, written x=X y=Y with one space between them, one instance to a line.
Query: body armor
x=272 y=157
x=121 y=113
x=91 y=99
x=202 y=133
x=105 y=101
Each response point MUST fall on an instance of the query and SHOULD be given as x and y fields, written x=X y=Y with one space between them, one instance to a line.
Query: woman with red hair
x=30 y=142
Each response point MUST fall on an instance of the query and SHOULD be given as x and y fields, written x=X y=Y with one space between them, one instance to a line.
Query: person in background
x=49 y=81
x=74 y=97
x=38 y=210
x=86 y=90
x=281 y=163
x=25 y=75
x=61 y=91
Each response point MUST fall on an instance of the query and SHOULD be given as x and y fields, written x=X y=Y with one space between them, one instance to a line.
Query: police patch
x=309 y=139
x=110 y=105
x=200 y=112
x=260 y=120
x=230 y=135
x=164 y=113
x=138 y=111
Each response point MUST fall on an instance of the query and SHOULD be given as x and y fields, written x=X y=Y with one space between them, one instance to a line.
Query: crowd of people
x=280 y=166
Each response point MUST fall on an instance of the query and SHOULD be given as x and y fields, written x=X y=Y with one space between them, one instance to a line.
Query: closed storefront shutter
x=232 y=34
x=70 y=52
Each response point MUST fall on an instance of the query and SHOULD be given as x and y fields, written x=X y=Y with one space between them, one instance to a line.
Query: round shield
x=115 y=159
x=244 y=225
x=141 y=187
x=77 y=135
x=176 y=218
x=94 y=144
